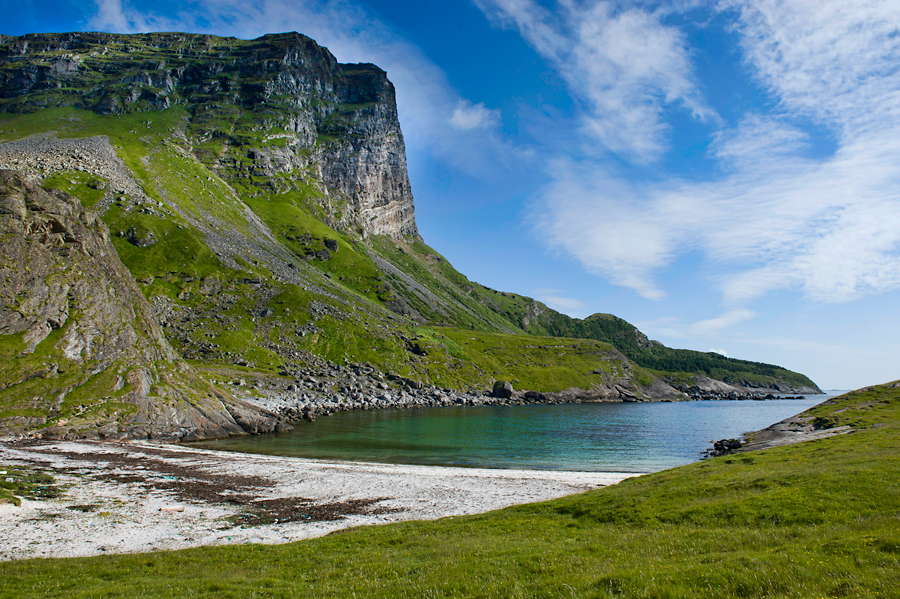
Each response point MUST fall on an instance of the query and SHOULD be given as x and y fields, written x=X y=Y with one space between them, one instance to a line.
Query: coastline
x=133 y=497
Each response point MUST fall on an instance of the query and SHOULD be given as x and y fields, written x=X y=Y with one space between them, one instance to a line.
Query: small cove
x=598 y=437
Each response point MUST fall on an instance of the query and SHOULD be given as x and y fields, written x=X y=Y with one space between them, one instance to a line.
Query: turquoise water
x=619 y=437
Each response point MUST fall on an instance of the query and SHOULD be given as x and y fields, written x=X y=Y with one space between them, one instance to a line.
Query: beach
x=130 y=497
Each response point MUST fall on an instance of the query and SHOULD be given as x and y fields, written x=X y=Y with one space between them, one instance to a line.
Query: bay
x=593 y=437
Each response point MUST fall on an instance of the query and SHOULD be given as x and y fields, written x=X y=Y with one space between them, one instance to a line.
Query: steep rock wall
x=279 y=108
x=83 y=354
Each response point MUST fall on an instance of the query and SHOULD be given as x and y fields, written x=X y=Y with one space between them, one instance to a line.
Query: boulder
x=535 y=397
x=502 y=389
x=140 y=239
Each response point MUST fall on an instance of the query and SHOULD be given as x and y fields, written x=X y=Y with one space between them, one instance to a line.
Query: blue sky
x=724 y=175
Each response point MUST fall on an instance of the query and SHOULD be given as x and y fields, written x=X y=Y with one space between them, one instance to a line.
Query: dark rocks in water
x=728 y=444
x=535 y=397
x=502 y=389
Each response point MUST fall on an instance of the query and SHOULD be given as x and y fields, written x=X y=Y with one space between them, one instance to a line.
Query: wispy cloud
x=434 y=116
x=713 y=326
x=774 y=219
x=825 y=59
x=605 y=224
x=624 y=66
x=554 y=299
x=701 y=330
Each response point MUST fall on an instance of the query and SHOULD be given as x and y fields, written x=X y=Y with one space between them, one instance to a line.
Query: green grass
x=287 y=215
x=815 y=520
x=89 y=188
x=530 y=362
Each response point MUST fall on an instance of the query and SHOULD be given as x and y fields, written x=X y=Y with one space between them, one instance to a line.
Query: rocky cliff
x=278 y=111
x=82 y=350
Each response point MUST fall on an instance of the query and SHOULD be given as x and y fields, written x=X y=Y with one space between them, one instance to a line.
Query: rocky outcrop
x=58 y=262
x=83 y=354
x=705 y=388
x=306 y=119
x=361 y=387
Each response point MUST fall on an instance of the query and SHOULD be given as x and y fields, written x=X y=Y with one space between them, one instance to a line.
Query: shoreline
x=134 y=497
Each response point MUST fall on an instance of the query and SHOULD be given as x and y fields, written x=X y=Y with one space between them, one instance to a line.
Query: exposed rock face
x=241 y=179
x=87 y=331
x=372 y=167
x=57 y=260
x=502 y=389
x=335 y=122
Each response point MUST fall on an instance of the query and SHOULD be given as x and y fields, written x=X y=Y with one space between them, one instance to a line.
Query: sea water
x=600 y=437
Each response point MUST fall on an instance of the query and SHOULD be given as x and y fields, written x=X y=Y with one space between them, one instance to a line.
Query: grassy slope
x=674 y=364
x=490 y=310
x=819 y=519
x=357 y=328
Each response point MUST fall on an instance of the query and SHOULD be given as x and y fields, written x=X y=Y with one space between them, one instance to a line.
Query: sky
x=723 y=175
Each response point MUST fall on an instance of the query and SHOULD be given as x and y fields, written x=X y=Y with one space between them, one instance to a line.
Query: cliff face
x=60 y=272
x=82 y=350
x=278 y=112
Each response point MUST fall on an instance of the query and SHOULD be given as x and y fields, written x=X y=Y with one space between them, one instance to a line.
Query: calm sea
x=620 y=437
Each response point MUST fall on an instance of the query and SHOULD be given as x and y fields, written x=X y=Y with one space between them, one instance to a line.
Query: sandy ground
x=137 y=497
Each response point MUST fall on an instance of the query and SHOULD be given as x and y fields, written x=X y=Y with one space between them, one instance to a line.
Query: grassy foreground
x=819 y=519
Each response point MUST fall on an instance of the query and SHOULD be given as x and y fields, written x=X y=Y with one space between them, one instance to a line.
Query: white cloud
x=468 y=116
x=623 y=65
x=758 y=139
x=775 y=219
x=826 y=59
x=704 y=329
x=714 y=326
x=618 y=239
x=113 y=15
x=552 y=298
x=431 y=111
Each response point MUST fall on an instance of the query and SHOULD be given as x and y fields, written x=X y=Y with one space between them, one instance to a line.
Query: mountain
x=257 y=197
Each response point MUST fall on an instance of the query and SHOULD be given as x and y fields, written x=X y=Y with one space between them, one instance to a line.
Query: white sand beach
x=139 y=496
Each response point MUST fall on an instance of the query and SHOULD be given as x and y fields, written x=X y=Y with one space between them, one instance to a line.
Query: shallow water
x=612 y=437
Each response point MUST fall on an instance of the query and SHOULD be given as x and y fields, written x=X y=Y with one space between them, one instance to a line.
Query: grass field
x=818 y=519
